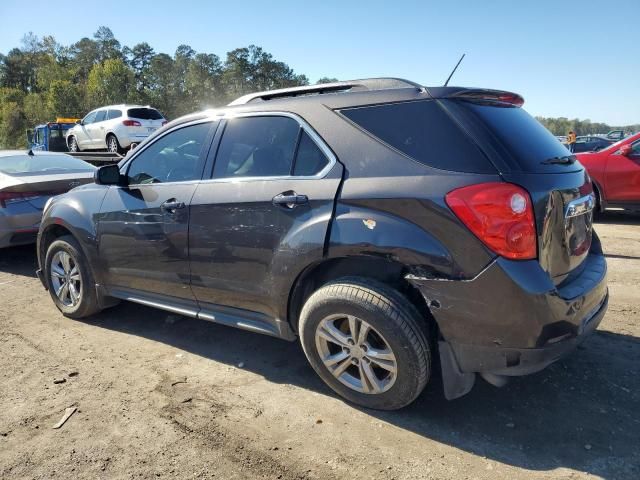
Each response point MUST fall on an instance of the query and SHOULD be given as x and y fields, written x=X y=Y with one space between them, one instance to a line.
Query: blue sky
x=570 y=58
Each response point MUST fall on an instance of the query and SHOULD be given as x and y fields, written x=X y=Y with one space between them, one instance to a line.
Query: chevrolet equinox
x=385 y=224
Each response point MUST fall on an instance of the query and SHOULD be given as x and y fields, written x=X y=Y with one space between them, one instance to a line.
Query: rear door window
x=309 y=160
x=257 y=147
x=423 y=131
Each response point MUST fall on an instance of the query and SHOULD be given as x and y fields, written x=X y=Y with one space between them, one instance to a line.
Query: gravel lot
x=164 y=396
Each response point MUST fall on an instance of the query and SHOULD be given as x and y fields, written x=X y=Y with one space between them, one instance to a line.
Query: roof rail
x=349 y=85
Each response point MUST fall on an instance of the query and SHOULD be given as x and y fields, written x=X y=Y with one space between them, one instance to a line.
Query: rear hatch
x=144 y=121
x=525 y=153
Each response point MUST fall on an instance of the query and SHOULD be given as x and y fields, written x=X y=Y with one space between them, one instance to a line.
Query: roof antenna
x=454 y=70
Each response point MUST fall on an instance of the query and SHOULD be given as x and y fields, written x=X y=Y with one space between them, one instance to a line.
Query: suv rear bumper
x=523 y=361
x=511 y=319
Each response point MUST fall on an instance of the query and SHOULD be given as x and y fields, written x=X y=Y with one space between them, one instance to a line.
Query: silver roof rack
x=347 y=86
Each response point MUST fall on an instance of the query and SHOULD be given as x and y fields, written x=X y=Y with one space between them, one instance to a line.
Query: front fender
x=75 y=212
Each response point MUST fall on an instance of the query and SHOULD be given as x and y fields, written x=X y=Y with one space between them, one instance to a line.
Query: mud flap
x=456 y=383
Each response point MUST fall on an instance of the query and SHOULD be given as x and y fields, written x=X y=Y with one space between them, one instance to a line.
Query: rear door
x=142 y=227
x=622 y=176
x=264 y=214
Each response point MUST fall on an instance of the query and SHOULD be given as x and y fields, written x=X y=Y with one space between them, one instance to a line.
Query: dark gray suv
x=382 y=222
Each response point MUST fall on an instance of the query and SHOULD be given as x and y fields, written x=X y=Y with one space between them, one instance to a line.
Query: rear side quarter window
x=423 y=131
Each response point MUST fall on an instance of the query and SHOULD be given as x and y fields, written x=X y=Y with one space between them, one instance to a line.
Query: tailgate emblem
x=580 y=206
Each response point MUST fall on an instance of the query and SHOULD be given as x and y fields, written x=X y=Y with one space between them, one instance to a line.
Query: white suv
x=114 y=127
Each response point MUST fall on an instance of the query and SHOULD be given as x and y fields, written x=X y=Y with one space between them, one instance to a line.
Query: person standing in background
x=571 y=140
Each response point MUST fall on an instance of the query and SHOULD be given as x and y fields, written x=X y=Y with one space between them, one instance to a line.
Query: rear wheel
x=365 y=341
x=73 y=145
x=112 y=144
x=69 y=278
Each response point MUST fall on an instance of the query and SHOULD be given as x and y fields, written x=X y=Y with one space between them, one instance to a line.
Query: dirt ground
x=164 y=396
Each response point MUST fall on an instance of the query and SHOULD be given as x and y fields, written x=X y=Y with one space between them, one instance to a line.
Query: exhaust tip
x=495 y=380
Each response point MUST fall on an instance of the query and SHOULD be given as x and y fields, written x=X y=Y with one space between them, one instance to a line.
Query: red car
x=615 y=172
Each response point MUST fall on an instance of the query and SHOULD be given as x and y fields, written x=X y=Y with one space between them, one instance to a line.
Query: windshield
x=42 y=164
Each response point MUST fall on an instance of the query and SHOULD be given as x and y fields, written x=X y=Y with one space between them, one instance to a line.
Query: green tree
x=326 y=80
x=64 y=99
x=12 y=122
x=107 y=47
x=110 y=82
x=203 y=82
x=35 y=110
x=139 y=58
x=83 y=56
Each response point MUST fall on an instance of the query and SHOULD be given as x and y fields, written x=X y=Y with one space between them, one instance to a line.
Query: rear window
x=42 y=164
x=528 y=142
x=144 y=113
x=423 y=131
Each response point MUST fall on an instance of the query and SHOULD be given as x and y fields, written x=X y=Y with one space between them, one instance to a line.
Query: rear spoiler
x=484 y=96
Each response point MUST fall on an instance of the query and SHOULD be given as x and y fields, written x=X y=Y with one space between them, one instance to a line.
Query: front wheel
x=366 y=342
x=69 y=279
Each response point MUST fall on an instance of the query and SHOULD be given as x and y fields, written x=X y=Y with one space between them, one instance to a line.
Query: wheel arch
x=388 y=272
x=598 y=191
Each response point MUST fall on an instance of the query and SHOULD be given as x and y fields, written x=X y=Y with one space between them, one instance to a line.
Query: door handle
x=290 y=199
x=170 y=206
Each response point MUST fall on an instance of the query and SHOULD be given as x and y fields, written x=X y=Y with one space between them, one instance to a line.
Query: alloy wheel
x=66 y=279
x=356 y=354
x=112 y=145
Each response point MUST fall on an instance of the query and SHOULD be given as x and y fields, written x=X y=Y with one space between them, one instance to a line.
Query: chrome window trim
x=317 y=139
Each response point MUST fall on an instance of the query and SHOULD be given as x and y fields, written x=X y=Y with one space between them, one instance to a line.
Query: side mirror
x=29 y=138
x=108 y=175
x=78 y=122
x=625 y=150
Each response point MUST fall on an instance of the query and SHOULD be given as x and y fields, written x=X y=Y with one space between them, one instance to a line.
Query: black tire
x=73 y=145
x=393 y=317
x=113 y=145
x=88 y=301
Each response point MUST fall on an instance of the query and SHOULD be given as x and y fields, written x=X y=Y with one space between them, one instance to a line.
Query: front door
x=263 y=216
x=623 y=176
x=142 y=228
x=81 y=132
x=96 y=132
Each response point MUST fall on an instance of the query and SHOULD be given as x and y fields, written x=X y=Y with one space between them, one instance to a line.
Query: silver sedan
x=27 y=181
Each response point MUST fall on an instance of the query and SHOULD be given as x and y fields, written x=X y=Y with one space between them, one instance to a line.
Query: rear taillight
x=10 y=197
x=131 y=123
x=499 y=214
